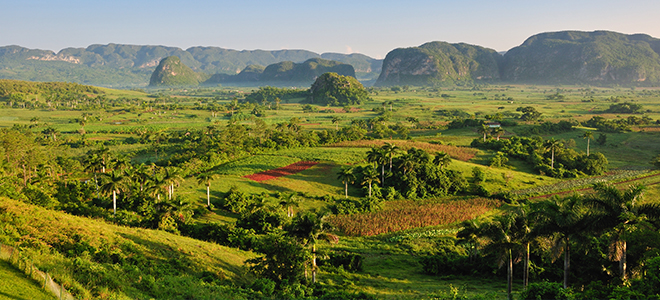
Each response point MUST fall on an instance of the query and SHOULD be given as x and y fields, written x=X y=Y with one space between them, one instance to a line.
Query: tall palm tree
x=553 y=145
x=485 y=130
x=562 y=220
x=442 y=159
x=498 y=131
x=378 y=157
x=389 y=150
x=205 y=178
x=336 y=120
x=524 y=223
x=501 y=233
x=288 y=201
x=620 y=211
x=171 y=177
x=113 y=182
x=309 y=228
x=346 y=176
x=588 y=135
x=369 y=176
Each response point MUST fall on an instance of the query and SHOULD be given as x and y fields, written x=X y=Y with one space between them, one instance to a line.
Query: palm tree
x=524 y=223
x=620 y=211
x=406 y=162
x=288 y=202
x=113 y=182
x=52 y=132
x=442 y=159
x=309 y=228
x=501 y=233
x=346 y=176
x=553 y=145
x=390 y=150
x=485 y=130
x=588 y=135
x=369 y=176
x=336 y=120
x=561 y=219
x=205 y=178
x=498 y=131
x=172 y=177
x=378 y=157
x=470 y=236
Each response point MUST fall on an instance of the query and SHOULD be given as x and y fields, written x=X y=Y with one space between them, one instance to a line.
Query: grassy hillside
x=15 y=285
x=99 y=260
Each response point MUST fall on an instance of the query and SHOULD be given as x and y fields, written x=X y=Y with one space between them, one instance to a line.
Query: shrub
x=546 y=290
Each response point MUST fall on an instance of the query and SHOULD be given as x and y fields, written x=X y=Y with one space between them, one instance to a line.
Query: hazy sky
x=345 y=26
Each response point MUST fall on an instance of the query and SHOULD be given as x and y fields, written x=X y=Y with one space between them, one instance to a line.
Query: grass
x=37 y=230
x=15 y=285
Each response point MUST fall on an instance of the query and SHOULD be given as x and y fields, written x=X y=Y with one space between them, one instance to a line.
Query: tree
x=284 y=259
x=498 y=131
x=588 y=135
x=485 y=130
x=562 y=220
x=113 y=182
x=369 y=176
x=390 y=150
x=309 y=228
x=51 y=132
x=288 y=201
x=171 y=177
x=442 y=159
x=501 y=234
x=205 y=178
x=346 y=176
x=621 y=212
x=553 y=145
x=336 y=120
x=378 y=157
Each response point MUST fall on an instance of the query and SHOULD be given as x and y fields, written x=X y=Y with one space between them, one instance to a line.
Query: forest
x=333 y=192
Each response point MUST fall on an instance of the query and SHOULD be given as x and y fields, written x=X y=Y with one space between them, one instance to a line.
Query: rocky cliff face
x=439 y=63
x=570 y=57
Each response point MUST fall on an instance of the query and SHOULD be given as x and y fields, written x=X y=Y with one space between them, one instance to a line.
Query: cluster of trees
x=549 y=157
x=609 y=242
x=617 y=125
x=625 y=108
x=411 y=174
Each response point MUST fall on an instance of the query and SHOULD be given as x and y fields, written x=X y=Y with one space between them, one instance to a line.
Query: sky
x=369 y=27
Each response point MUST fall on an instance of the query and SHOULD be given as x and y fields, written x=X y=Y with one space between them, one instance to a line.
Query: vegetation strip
x=407 y=214
x=284 y=171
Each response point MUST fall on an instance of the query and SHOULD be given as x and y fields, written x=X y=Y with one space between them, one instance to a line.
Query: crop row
x=582 y=182
x=425 y=234
x=405 y=214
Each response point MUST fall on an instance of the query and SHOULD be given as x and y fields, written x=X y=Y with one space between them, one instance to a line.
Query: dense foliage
x=337 y=90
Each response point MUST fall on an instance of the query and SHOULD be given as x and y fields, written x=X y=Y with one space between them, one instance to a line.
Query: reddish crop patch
x=407 y=214
x=283 y=171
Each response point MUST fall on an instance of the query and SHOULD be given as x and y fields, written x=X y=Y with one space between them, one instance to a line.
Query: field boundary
x=14 y=257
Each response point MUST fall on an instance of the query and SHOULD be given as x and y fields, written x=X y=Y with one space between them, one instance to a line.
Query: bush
x=546 y=290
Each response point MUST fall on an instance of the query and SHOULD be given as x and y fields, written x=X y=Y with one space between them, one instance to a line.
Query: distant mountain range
x=132 y=65
x=566 y=57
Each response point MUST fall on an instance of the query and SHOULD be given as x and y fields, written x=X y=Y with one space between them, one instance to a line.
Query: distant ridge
x=286 y=73
x=132 y=65
x=565 y=57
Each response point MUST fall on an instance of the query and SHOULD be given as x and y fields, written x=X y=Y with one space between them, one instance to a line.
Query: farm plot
x=280 y=172
x=406 y=214
x=460 y=153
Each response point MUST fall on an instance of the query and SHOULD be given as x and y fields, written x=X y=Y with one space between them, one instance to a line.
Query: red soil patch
x=283 y=171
